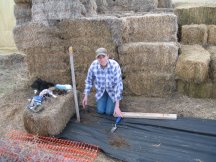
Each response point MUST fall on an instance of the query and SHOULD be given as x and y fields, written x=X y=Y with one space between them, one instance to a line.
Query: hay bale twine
x=195 y=14
x=53 y=119
x=212 y=70
x=193 y=64
x=194 y=34
x=22 y=12
x=212 y=34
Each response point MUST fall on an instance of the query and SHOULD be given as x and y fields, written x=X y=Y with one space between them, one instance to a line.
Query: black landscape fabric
x=184 y=139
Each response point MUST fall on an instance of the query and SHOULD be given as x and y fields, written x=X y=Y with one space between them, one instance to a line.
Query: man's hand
x=85 y=101
x=117 y=109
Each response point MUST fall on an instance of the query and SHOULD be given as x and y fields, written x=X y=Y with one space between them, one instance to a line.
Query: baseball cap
x=101 y=51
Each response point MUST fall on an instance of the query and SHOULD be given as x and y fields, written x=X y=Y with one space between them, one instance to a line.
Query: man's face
x=102 y=60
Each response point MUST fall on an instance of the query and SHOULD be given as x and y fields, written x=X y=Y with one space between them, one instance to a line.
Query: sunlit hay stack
x=212 y=34
x=164 y=4
x=106 y=6
x=22 y=12
x=196 y=14
x=193 y=64
x=150 y=28
x=149 y=68
x=212 y=72
x=194 y=34
x=53 y=119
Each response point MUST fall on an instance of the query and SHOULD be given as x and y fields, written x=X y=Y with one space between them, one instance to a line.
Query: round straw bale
x=53 y=119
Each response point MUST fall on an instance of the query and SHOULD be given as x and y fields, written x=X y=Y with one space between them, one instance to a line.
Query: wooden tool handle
x=148 y=115
x=71 y=50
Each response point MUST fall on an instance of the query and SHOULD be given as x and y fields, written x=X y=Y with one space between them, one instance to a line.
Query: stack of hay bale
x=195 y=69
x=145 y=45
x=56 y=25
x=148 y=54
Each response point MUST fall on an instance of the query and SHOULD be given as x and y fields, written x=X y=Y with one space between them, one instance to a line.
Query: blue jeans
x=105 y=104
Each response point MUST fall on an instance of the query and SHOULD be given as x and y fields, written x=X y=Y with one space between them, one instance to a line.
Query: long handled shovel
x=74 y=83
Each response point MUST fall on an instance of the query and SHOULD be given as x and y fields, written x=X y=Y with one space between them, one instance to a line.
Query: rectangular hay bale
x=53 y=119
x=149 y=57
x=202 y=90
x=149 y=84
x=196 y=14
x=193 y=64
x=194 y=34
x=150 y=28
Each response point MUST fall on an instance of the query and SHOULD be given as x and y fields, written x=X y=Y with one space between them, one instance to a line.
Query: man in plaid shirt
x=105 y=75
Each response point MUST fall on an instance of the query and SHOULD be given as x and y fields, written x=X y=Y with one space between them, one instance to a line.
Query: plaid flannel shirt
x=108 y=78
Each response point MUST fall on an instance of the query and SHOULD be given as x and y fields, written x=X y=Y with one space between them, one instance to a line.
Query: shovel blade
x=113 y=129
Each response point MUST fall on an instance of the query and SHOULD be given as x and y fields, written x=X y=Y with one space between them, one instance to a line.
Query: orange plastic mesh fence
x=20 y=146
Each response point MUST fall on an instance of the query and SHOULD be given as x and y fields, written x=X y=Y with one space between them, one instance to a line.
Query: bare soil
x=15 y=92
